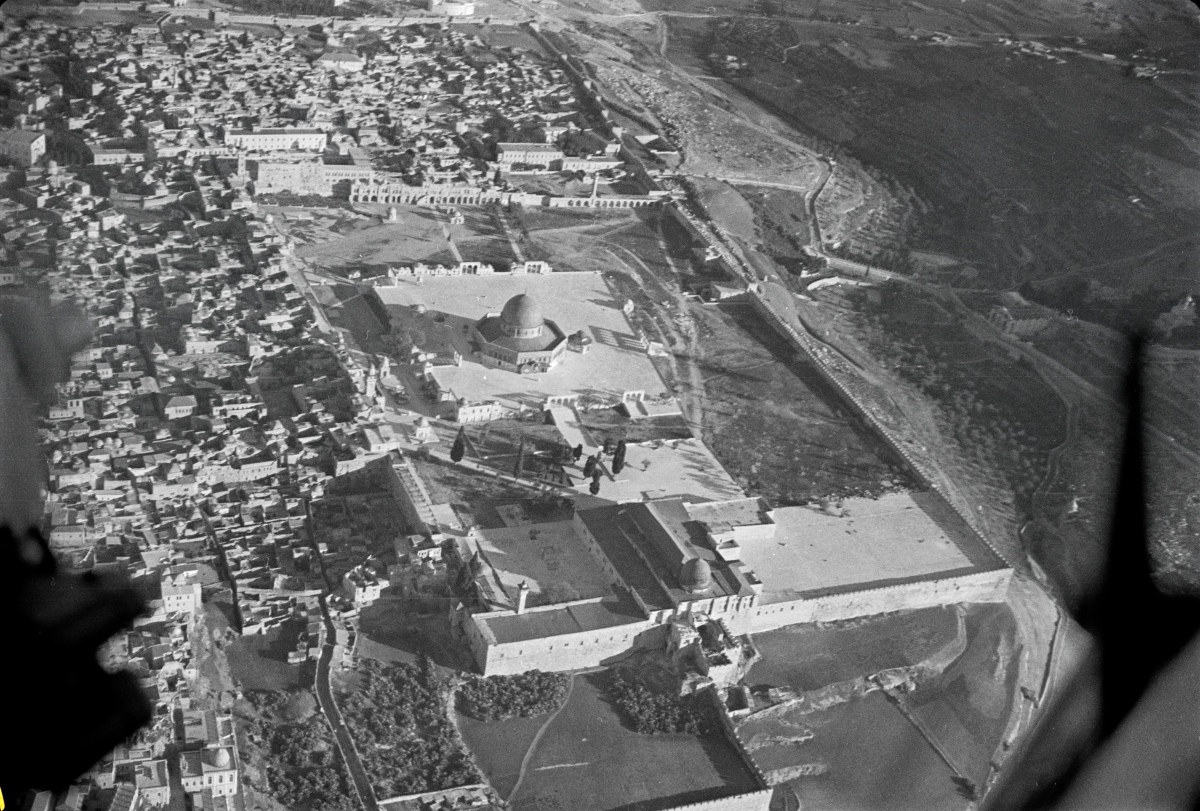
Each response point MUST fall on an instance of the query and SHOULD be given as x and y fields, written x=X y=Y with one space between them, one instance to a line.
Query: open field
x=499 y=747
x=876 y=759
x=368 y=244
x=259 y=662
x=656 y=771
x=807 y=657
x=774 y=424
x=1044 y=18
x=967 y=708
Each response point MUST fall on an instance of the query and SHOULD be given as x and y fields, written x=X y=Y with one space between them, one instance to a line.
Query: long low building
x=281 y=138
x=740 y=561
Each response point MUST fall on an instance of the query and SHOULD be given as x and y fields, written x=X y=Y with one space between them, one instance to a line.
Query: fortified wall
x=750 y=801
x=975 y=587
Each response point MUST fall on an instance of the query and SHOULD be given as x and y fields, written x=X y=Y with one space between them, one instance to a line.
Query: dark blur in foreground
x=61 y=712
x=1125 y=733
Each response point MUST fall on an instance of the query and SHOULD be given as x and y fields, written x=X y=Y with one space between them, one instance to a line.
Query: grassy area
x=782 y=224
x=499 y=747
x=587 y=744
x=774 y=424
x=996 y=407
x=807 y=657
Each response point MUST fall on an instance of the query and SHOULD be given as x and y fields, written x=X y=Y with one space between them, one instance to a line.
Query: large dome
x=696 y=575
x=522 y=312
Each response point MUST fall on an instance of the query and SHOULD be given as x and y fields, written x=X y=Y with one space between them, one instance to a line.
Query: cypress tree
x=520 y=463
x=459 y=447
x=618 y=460
x=589 y=466
x=594 y=487
x=577 y=452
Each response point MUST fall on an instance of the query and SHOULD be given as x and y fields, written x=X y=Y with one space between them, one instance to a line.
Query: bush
x=658 y=714
x=499 y=697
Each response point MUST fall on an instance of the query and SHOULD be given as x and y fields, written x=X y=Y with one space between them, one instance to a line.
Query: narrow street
x=341 y=735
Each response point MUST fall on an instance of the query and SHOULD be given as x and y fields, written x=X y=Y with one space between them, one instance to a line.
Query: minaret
x=522 y=596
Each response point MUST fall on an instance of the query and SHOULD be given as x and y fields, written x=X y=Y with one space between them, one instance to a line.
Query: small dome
x=221 y=758
x=696 y=575
x=522 y=312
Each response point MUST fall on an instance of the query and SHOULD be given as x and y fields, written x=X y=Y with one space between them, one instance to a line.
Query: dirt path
x=537 y=738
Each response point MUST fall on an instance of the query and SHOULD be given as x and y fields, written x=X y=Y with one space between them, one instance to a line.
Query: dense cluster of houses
x=314 y=111
x=166 y=461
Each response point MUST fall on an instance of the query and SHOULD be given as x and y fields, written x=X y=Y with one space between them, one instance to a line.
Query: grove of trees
x=398 y=718
x=652 y=713
x=304 y=770
x=499 y=697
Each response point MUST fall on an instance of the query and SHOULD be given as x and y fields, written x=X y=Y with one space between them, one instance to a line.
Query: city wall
x=735 y=738
x=751 y=801
x=975 y=587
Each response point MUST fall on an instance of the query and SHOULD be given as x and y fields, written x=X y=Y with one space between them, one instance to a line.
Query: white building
x=284 y=138
x=214 y=769
x=22 y=147
x=181 y=593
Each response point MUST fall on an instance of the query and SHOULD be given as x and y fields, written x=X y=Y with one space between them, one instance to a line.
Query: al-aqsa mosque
x=520 y=339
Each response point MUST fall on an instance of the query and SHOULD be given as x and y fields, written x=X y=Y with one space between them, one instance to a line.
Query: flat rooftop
x=575 y=301
x=568 y=619
x=898 y=537
x=543 y=556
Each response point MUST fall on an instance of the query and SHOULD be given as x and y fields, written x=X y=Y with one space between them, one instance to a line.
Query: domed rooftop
x=695 y=575
x=220 y=758
x=522 y=312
